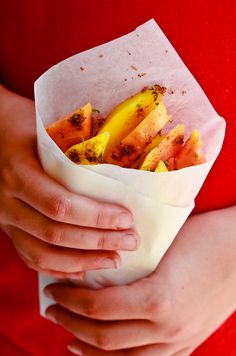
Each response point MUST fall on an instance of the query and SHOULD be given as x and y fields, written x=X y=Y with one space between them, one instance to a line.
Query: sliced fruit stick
x=90 y=151
x=190 y=154
x=128 y=114
x=168 y=147
x=71 y=129
x=170 y=163
x=155 y=142
x=161 y=167
x=132 y=146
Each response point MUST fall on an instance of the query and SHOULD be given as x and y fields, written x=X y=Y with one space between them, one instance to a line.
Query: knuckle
x=176 y=331
x=38 y=260
x=104 y=342
x=157 y=306
x=8 y=176
x=102 y=242
x=100 y=219
x=59 y=208
x=53 y=234
x=91 y=308
x=152 y=308
x=15 y=217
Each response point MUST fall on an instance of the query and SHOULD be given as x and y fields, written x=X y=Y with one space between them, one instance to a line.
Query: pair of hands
x=62 y=234
x=170 y=312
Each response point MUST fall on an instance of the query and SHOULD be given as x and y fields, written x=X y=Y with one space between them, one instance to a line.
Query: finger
x=56 y=274
x=53 y=200
x=112 y=303
x=42 y=256
x=64 y=276
x=183 y=352
x=107 y=336
x=78 y=347
x=67 y=235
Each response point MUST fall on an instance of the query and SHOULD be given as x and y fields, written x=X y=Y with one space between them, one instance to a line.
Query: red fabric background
x=34 y=35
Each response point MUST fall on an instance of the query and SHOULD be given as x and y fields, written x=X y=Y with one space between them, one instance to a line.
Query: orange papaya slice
x=167 y=148
x=72 y=129
x=190 y=154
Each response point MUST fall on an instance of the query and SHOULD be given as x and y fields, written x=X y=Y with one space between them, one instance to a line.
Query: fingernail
x=111 y=262
x=76 y=350
x=129 y=242
x=124 y=221
x=76 y=276
x=48 y=293
x=51 y=318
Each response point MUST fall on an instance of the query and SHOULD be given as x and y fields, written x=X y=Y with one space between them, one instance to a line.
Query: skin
x=168 y=313
x=54 y=231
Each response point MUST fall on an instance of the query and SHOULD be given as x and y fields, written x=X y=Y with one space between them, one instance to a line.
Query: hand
x=54 y=231
x=170 y=312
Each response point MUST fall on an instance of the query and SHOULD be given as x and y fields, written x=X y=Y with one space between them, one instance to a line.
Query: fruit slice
x=170 y=164
x=161 y=167
x=72 y=128
x=133 y=145
x=90 y=151
x=190 y=154
x=155 y=142
x=168 y=147
x=128 y=114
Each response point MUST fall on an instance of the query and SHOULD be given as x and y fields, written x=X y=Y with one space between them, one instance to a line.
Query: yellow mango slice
x=161 y=167
x=132 y=146
x=90 y=151
x=128 y=114
x=167 y=148
x=155 y=142
x=190 y=154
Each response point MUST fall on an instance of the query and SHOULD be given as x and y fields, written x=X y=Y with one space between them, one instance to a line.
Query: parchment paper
x=105 y=76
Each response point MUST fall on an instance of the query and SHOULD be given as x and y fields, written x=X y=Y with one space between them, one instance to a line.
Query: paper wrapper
x=105 y=76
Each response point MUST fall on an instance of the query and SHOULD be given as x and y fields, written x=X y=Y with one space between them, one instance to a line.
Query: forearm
x=222 y=240
x=217 y=231
x=206 y=245
x=16 y=113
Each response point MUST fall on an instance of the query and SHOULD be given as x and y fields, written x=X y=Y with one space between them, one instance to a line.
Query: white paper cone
x=160 y=203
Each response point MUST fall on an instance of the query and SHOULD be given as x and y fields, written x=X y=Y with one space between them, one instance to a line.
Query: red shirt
x=36 y=36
